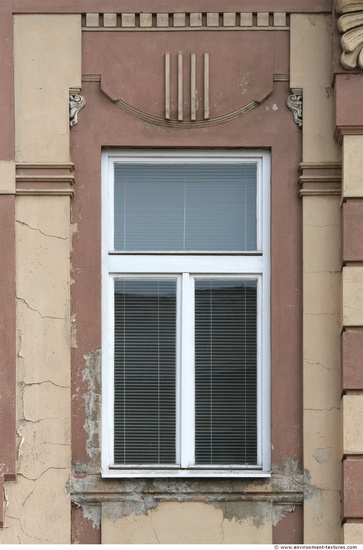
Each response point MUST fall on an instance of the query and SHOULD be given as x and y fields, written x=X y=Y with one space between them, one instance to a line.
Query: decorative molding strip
x=350 y=25
x=157 y=121
x=186 y=21
x=91 y=78
x=319 y=192
x=320 y=179
x=193 y=89
x=45 y=179
x=76 y=103
x=295 y=104
x=281 y=78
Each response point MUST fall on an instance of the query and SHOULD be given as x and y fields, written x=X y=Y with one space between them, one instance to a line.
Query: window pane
x=179 y=207
x=226 y=372
x=145 y=366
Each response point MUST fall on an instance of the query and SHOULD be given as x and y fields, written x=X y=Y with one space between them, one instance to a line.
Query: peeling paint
x=92 y=401
x=257 y=513
x=322 y=455
x=280 y=511
x=74 y=331
x=116 y=510
x=93 y=514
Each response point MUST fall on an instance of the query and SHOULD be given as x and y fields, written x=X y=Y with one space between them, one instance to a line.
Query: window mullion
x=187 y=372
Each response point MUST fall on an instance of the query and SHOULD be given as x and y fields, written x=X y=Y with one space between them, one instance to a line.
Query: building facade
x=256 y=112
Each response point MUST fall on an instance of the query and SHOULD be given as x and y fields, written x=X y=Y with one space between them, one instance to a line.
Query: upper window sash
x=207 y=158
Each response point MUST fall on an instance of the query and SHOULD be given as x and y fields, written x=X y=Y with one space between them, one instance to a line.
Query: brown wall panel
x=7 y=83
x=352 y=488
x=289 y=530
x=348 y=107
x=83 y=532
x=353 y=231
x=7 y=336
x=352 y=359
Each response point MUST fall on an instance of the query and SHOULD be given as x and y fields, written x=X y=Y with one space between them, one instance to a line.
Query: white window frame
x=186 y=267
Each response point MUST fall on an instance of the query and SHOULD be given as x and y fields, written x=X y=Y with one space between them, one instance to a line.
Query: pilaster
x=348 y=90
x=320 y=180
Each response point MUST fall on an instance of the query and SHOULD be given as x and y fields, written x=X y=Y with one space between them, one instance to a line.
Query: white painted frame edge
x=263 y=209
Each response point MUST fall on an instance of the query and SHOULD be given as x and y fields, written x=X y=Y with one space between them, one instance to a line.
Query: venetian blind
x=181 y=207
x=145 y=365
x=226 y=372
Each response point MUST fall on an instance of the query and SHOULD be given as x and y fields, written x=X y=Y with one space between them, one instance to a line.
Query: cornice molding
x=350 y=25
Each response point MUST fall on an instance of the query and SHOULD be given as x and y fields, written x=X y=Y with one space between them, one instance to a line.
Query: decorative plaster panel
x=350 y=25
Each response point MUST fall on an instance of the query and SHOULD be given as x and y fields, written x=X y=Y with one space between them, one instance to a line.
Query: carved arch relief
x=350 y=25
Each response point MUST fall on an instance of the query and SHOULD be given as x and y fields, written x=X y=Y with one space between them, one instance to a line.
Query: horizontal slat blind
x=145 y=371
x=226 y=372
x=184 y=207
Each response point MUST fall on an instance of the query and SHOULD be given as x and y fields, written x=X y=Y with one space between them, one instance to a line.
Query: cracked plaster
x=190 y=523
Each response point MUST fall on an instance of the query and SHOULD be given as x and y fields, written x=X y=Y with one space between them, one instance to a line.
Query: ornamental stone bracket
x=350 y=25
x=76 y=102
x=295 y=104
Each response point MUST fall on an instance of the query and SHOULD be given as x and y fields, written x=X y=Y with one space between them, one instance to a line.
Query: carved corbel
x=76 y=102
x=350 y=25
x=295 y=104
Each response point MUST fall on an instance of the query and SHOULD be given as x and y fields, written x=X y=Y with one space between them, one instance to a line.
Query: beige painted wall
x=322 y=416
x=38 y=506
x=189 y=523
x=47 y=62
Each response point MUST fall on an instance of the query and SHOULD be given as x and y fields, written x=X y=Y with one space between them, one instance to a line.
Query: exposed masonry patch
x=116 y=510
x=279 y=512
x=92 y=513
x=322 y=455
x=74 y=331
x=311 y=492
x=92 y=401
x=256 y=513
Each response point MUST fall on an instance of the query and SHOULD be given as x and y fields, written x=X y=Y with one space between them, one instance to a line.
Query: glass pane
x=184 y=207
x=226 y=372
x=145 y=367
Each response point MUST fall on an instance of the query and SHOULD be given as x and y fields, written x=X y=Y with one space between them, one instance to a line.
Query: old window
x=186 y=313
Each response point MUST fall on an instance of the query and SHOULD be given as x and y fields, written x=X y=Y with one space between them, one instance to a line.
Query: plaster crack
x=153 y=528
x=321 y=314
x=40 y=475
x=320 y=226
x=37 y=311
x=42 y=232
x=351 y=307
x=46 y=382
x=331 y=408
x=319 y=364
x=222 y=530
x=328 y=271
x=53 y=95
